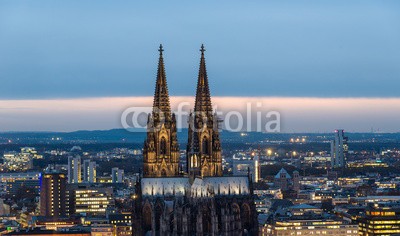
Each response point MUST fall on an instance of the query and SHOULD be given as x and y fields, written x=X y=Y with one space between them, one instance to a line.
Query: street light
x=269 y=152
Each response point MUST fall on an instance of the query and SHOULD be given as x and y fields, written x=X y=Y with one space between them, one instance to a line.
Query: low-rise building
x=306 y=220
x=380 y=219
x=89 y=199
x=15 y=162
x=14 y=181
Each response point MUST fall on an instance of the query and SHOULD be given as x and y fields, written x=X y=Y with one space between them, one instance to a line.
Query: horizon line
x=183 y=96
x=179 y=130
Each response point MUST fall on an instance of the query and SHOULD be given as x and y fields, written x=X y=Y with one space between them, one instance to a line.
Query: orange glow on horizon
x=298 y=114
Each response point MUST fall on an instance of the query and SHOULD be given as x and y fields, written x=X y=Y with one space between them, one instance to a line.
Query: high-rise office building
x=74 y=169
x=117 y=175
x=89 y=171
x=257 y=172
x=339 y=149
x=53 y=194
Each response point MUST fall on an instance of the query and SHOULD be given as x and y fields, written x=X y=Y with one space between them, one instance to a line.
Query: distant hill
x=125 y=136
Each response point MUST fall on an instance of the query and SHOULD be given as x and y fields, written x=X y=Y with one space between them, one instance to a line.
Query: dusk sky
x=338 y=59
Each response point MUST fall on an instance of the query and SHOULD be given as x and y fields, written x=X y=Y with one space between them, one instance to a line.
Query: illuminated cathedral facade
x=198 y=200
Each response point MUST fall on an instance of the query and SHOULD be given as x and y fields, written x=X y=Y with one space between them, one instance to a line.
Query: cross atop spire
x=202 y=49
x=161 y=50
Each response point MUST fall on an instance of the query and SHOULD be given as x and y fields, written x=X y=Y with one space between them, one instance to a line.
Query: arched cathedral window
x=147 y=218
x=193 y=161
x=163 y=146
x=205 y=146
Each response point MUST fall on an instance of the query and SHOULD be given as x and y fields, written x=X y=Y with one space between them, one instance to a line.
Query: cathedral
x=197 y=200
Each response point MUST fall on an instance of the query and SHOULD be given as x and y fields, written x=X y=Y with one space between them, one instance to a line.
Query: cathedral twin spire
x=161 y=149
x=203 y=98
x=204 y=148
x=161 y=96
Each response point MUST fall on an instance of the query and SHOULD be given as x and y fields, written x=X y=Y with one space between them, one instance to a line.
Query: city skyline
x=129 y=118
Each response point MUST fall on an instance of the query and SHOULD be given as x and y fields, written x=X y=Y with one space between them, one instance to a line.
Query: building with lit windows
x=124 y=217
x=56 y=224
x=12 y=182
x=122 y=223
x=20 y=161
x=310 y=227
x=242 y=167
x=104 y=179
x=31 y=151
x=123 y=229
x=15 y=161
x=74 y=170
x=53 y=194
x=102 y=230
x=307 y=220
x=89 y=171
x=380 y=219
x=377 y=163
x=117 y=175
x=39 y=232
x=89 y=199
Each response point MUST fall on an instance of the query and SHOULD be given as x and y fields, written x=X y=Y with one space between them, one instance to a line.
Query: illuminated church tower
x=203 y=202
x=161 y=148
x=204 y=147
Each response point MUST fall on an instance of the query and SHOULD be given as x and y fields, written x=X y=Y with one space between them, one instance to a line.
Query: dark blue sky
x=68 y=49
